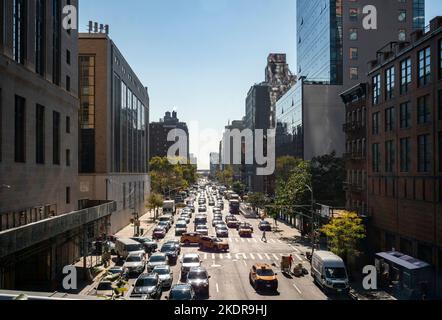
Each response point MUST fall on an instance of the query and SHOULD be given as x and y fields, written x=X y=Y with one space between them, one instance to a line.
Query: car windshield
x=104 y=286
x=167 y=248
x=147 y=282
x=191 y=260
x=115 y=271
x=221 y=227
x=157 y=259
x=162 y=271
x=197 y=275
x=180 y=294
x=265 y=273
x=181 y=225
x=134 y=247
x=133 y=259
x=335 y=273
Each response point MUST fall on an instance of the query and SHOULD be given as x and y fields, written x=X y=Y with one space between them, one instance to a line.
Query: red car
x=159 y=233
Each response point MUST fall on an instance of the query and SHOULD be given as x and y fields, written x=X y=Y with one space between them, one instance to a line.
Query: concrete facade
x=114 y=130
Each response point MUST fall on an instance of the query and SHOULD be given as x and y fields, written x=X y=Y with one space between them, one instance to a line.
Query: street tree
x=225 y=177
x=239 y=188
x=257 y=200
x=344 y=234
x=155 y=202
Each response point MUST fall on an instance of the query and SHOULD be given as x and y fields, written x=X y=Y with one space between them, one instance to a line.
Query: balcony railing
x=353 y=126
x=355 y=155
x=353 y=187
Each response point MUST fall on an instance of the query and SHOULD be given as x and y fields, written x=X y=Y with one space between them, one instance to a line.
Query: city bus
x=234 y=206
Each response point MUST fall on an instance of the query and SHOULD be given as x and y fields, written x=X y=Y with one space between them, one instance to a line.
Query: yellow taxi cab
x=263 y=278
x=212 y=243
x=190 y=238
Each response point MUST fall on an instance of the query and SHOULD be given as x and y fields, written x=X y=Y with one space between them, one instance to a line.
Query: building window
x=354 y=53
x=353 y=34
x=56 y=41
x=405 y=154
x=402 y=16
x=424 y=153
x=423 y=110
x=40 y=134
x=40 y=36
x=376 y=160
x=376 y=89
x=405 y=75
x=68 y=158
x=389 y=156
x=390 y=119
x=68 y=83
x=390 y=78
x=68 y=195
x=424 y=69
x=354 y=73
x=20 y=129
x=19 y=30
x=405 y=115
x=440 y=59
x=375 y=123
x=402 y=35
x=68 y=124
x=56 y=137
x=68 y=57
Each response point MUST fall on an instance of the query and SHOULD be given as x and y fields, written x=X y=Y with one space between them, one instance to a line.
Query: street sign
x=325 y=211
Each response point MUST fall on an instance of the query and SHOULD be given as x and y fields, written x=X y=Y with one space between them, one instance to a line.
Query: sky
x=200 y=57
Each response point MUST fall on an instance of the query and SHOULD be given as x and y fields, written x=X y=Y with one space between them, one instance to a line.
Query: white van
x=329 y=271
x=124 y=247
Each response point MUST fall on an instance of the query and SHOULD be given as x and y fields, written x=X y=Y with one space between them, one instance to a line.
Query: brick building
x=405 y=147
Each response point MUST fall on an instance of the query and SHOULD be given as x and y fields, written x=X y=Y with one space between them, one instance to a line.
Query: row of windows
x=357 y=177
x=423 y=157
x=20 y=36
x=423 y=72
x=20 y=133
x=423 y=115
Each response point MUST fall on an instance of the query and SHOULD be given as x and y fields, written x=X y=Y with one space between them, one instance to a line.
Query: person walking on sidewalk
x=290 y=262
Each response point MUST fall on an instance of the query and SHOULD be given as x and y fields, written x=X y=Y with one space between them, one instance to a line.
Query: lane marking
x=248 y=240
x=297 y=289
x=276 y=257
x=299 y=258
x=252 y=256
x=221 y=256
x=205 y=256
x=213 y=256
x=267 y=256
x=217 y=288
x=229 y=256
x=243 y=240
x=259 y=256
x=245 y=263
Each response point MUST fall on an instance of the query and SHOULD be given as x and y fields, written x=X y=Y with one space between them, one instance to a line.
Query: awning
x=403 y=260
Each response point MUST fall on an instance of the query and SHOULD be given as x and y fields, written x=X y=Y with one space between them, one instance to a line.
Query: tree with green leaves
x=257 y=200
x=344 y=233
x=239 y=188
x=328 y=176
x=225 y=177
x=155 y=202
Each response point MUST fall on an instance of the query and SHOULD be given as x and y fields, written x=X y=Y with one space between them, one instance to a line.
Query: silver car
x=157 y=259
x=165 y=274
x=135 y=263
x=188 y=262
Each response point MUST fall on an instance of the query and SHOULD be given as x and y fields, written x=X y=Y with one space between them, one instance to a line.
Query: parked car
x=265 y=226
x=182 y=292
x=190 y=238
x=147 y=286
x=198 y=278
x=105 y=289
x=189 y=261
x=159 y=233
x=165 y=274
x=262 y=277
x=124 y=247
x=171 y=251
x=213 y=243
x=157 y=259
x=329 y=272
x=135 y=263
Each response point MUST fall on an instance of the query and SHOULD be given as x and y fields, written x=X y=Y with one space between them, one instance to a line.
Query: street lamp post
x=313 y=217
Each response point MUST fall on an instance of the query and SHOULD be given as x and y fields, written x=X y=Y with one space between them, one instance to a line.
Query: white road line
x=259 y=256
x=297 y=289
x=245 y=263
x=230 y=240
x=267 y=256
x=243 y=240
x=280 y=241
x=254 y=240
x=252 y=256
x=221 y=256
x=248 y=240
x=213 y=256
x=236 y=239
x=229 y=256
x=295 y=249
x=205 y=256
x=217 y=288
x=299 y=258
x=276 y=257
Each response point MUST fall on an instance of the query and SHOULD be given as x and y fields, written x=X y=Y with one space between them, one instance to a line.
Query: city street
x=230 y=271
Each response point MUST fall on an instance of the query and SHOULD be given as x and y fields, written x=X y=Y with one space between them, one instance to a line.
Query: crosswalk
x=255 y=240
x=258 y=257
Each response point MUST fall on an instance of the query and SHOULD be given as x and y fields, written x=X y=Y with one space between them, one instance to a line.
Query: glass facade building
x=289 y=129
x=320 y=39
